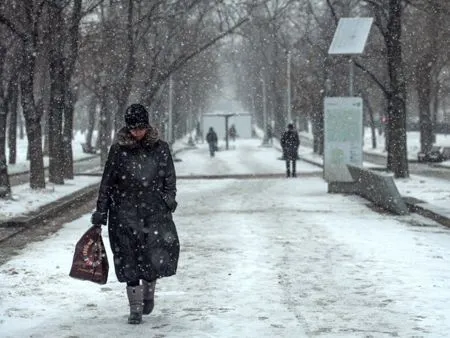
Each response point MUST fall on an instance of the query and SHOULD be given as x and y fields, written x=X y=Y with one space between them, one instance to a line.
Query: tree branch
x=180 y=62
x=333 y=12
x=373 y=77
x=12 y=27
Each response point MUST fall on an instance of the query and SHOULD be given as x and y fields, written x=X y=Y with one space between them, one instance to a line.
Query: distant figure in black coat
x=137 y=198
x=211 y=138
x=290 y=143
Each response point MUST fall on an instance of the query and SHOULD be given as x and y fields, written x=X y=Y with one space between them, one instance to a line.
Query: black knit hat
x=136 y=116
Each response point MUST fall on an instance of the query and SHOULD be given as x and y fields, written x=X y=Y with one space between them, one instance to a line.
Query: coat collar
x=125 y=139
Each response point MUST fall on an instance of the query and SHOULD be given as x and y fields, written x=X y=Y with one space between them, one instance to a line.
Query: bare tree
x=22 y=18
x=388 y=19
x=5 y=188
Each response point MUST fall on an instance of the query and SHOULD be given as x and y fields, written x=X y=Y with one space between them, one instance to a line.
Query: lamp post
x=103 y=120
x=170 y=127
x=265 y=140
x=289 y=110
x=169 y=134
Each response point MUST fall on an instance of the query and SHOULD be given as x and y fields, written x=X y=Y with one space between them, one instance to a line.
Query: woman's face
x=138 y=133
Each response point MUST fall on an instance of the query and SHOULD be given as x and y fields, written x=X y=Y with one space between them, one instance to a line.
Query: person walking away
x=137 y=198
x=211 y=138
x=290 y=142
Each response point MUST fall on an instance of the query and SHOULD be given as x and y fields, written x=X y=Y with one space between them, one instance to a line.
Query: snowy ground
x=24 y=165
x=259 y=258
x=26 y=200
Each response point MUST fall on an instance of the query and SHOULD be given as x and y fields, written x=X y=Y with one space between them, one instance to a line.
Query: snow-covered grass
x=412 y=142
x=26 y=200
x=22 y=165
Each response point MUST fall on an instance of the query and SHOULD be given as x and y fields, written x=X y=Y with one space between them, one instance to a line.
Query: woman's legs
x=135 y=293
x=149 y=296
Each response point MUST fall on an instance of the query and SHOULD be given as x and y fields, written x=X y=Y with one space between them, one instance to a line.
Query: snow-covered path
x=244 y=157
x=259 y=258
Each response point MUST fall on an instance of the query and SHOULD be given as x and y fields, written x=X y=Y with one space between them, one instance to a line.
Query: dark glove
x=171 y=203
x=173 y=206
x=98 y=218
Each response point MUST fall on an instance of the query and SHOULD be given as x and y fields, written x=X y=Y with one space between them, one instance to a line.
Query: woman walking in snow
x=137 y=198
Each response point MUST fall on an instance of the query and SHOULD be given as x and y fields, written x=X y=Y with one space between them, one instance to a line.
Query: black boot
x=288 y=168
x=149 y=296
x=135 y=298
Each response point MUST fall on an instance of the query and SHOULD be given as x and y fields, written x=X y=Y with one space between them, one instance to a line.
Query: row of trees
x=403 y=73
x=63 y=62
x=57 y=55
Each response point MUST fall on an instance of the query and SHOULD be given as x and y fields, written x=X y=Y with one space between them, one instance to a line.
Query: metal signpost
x=350 y=39
x=343 y=116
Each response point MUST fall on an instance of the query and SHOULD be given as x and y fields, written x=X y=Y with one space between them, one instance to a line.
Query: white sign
x=343 y=137
x=350 y=36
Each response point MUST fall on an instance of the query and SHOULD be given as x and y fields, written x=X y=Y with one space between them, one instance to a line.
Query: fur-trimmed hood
x=125 y=139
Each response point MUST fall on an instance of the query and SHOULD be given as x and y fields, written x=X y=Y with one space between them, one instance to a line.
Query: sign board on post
x=350 y=36
x=343 y=137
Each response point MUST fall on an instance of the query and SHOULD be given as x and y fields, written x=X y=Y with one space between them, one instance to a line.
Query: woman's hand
x=99 y=218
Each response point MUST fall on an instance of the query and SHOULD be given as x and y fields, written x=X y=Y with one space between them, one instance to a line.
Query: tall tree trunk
x=21 y=125
x=397 y=160
x=5 y=188
x=434 y=104
x=103 y=127
x=45 y=126
x=68 y=134
x=69 y=93
x=371 y=120
x=57 y=98
x=425 y=80
x=92 y=111
x=12 y=133
x=32 y=116
x=317 y=129
x=423 y=70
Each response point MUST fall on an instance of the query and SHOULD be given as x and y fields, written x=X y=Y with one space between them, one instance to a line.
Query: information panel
x=343 y=137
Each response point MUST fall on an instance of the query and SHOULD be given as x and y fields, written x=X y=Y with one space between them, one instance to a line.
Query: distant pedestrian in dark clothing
x=137 y=199
x=232 y=133
x=211 y=138
x=290 y=142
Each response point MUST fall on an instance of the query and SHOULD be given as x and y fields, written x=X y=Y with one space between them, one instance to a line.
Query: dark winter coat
x=138 y=191
x=211 y=137
x=290 y=142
